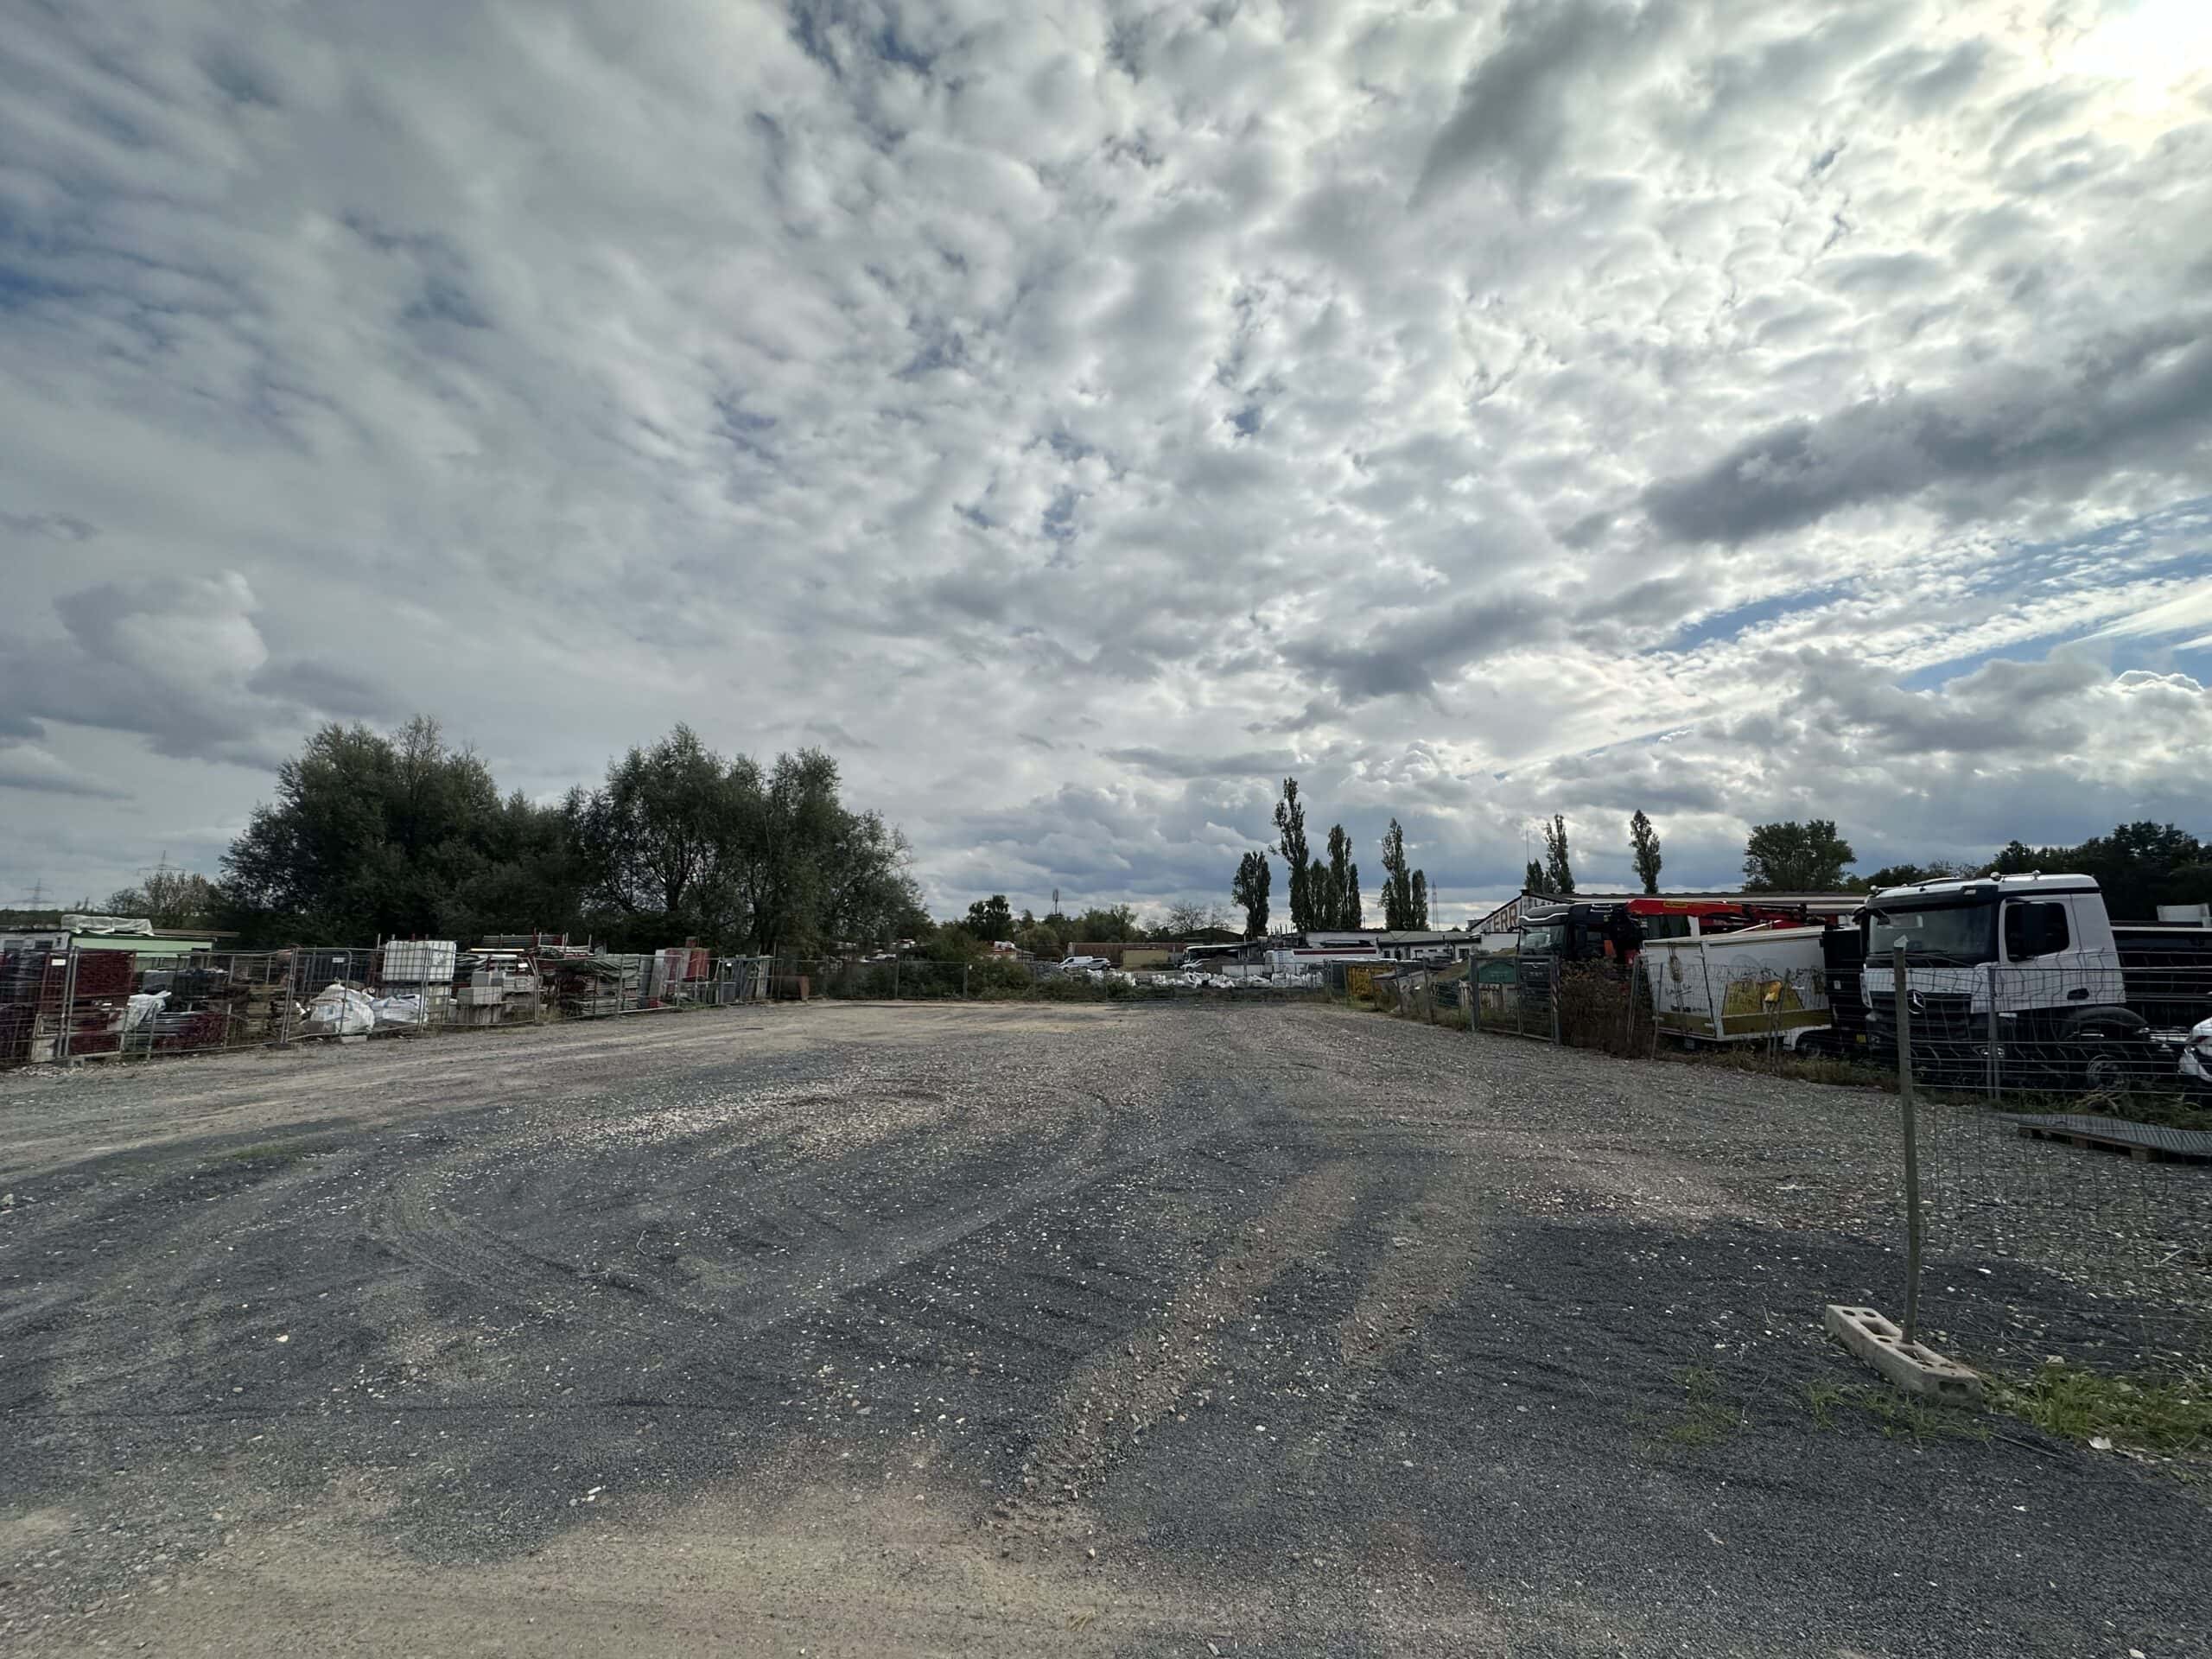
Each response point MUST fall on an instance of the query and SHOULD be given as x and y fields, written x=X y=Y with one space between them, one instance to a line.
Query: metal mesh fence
x=64 y=1000
x=989 y=978
x=2061 y=1127
x=2063 y=1155
x=1520 y=995
x=2040 y=1245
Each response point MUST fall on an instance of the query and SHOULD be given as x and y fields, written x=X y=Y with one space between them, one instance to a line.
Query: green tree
x=865 y=892
x=659 y=841
x=808 y=873
x=1398 y=880
x=952 y=941
x=2138 y=867
x=168 y=897
x=1106 y=925
x=375 y=834
x=401 y=834
x=1793 y=857
x=1290 y=833
x=991 y=919
x=1559 y=872
x=1190 y=919
x=1643 y=850
x=1343 y=909
x=1532 y=879
x=1254 y=877
x=1904 y=876
x=1417 y=911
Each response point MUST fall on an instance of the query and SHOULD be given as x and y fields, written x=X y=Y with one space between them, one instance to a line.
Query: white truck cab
x=2023 y=964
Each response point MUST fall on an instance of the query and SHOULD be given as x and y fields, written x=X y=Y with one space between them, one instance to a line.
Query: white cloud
x=1075 y=416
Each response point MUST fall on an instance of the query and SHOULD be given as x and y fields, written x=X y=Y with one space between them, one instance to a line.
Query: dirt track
x=993 y=1330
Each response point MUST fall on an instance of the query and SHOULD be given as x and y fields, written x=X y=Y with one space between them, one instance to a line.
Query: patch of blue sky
x=2174 y=543
x=1740 y=619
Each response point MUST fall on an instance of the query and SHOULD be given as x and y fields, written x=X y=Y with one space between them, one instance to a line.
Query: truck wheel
x=2104 y=1068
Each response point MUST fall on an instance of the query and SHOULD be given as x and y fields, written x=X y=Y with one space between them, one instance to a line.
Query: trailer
x=1757 y=985
x=1613 y=930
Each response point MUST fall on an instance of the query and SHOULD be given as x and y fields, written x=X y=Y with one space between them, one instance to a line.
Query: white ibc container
x=425 y=961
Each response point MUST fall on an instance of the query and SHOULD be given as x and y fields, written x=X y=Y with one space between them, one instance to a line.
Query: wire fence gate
x=2048 y=1155
x=2055 y=1162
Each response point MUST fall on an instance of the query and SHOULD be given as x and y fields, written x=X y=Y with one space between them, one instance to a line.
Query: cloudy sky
x=1076 y=416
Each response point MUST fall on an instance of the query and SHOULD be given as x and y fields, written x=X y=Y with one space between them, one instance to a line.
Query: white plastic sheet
x=338 y=1012
x=143 y=1006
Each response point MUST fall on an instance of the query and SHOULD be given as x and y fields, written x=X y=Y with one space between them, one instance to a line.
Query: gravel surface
x=1195 y=1330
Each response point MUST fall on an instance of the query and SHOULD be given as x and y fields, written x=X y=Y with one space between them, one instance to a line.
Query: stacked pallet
x=105 y=974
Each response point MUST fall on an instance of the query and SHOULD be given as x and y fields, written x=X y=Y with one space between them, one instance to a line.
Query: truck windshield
x=1535 y=941
x=1951 y=933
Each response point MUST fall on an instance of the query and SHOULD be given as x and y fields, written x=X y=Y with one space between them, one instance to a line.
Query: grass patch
x=1898 y=1416
x=272 y=1152
x=1706 y=1416
x=2165 y=1414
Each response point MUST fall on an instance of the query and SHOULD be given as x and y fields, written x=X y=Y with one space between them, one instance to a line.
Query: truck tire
x=2104 y=1067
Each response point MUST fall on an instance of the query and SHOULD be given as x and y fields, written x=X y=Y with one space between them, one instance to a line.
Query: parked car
x=2196 y=1063
x=1084 y=964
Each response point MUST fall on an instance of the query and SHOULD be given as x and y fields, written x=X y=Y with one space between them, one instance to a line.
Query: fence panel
x=1534 y=1007
x=2064 y=1160
x=109 y=1000
x=62 y=1000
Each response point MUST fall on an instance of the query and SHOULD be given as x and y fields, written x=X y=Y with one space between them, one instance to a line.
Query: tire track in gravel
x=1427 y=1258
x=419 y=1216
x=1160 y=1364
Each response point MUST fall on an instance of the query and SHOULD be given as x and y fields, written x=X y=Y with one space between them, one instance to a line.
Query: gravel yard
x=1008 y=1329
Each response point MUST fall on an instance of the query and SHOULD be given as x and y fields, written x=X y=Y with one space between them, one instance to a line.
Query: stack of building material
x=670 y=969
x=105 y=974
x=199 y=1028
x=100 y=998
x=33 y=968
x=591 y=986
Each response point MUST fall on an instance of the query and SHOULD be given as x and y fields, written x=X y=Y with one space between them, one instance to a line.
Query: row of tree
x=1787 y=857
x=1555 y=875
x=374 y=834
x=2138 y=866
x=1324 y=893
x=993 y=920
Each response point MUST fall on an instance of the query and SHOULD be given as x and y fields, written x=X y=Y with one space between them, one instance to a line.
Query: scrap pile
x=99 y=1000
x=31 y=971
